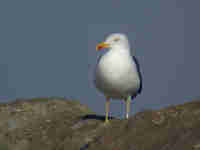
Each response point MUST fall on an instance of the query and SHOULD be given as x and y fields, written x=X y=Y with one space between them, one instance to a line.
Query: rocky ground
x=60 y=124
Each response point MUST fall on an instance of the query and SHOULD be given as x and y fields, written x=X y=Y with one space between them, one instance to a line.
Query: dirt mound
x=60 y=124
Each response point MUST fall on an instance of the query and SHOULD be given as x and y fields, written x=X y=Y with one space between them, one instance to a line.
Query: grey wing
x=140 y=77
x=98 y=59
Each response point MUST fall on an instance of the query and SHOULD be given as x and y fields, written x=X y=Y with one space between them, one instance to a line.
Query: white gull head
x=117 y=40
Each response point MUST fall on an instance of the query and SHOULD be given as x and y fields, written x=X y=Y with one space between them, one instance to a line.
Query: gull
x=117 y=73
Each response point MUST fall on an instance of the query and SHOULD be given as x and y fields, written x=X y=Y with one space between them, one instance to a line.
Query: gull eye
x=116 y=39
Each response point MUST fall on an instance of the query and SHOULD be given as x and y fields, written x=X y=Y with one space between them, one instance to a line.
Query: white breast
x=116 y=74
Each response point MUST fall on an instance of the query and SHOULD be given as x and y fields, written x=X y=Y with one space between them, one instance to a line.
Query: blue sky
x=48 y=49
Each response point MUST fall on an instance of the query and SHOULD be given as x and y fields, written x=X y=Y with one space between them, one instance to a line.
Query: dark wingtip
x=140 y=76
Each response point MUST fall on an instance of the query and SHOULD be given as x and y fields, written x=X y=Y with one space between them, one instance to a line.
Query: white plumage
x=117 y=74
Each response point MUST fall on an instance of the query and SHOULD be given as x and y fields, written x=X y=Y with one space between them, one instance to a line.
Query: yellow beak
x=101 y=46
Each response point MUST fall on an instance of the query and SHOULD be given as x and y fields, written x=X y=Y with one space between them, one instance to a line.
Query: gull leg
x=107 y=109
x=128 y=101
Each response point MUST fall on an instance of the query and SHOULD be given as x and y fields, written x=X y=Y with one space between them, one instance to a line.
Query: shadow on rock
x=95 y=117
